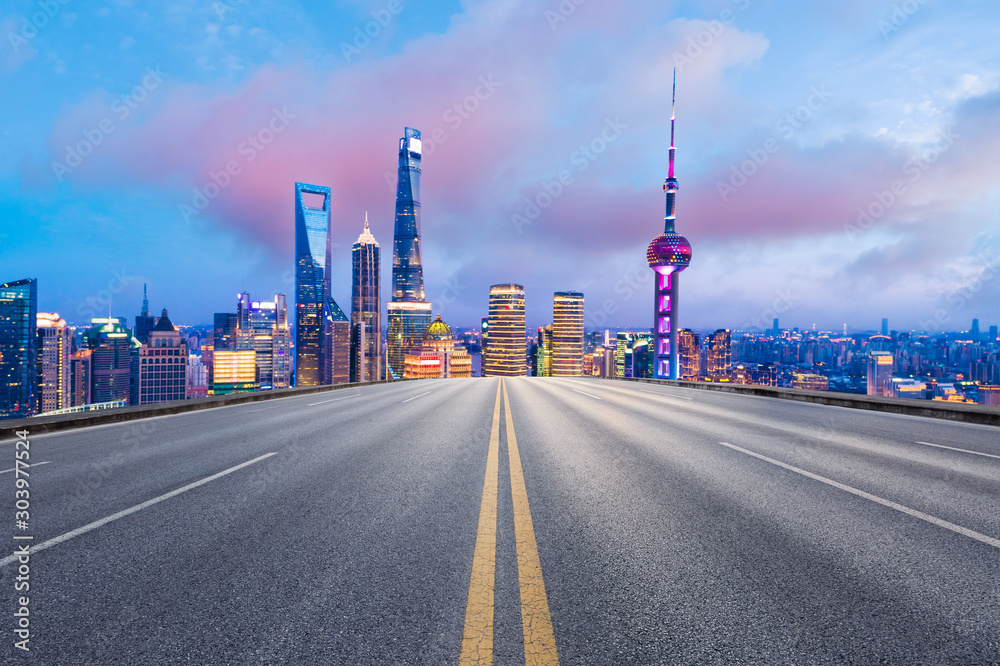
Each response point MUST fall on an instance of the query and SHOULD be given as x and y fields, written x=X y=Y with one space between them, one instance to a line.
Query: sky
x=839 y=161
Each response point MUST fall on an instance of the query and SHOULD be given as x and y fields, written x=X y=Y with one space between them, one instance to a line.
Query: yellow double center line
x=477 y=638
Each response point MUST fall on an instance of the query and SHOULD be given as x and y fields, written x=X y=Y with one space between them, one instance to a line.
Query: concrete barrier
x=39 y=424
x=951 y=411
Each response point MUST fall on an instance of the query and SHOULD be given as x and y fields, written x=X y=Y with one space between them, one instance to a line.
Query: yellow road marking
x=539 y=639
x=477 y=637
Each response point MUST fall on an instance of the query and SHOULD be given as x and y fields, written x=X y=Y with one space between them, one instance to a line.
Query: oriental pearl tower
x=668 y=254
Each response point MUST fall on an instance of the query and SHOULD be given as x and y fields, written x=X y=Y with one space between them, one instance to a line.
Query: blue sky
x=866 y=133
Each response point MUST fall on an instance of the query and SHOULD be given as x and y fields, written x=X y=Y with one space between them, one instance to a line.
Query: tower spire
x=670 y=186
x=145 y=301
x=366 y=221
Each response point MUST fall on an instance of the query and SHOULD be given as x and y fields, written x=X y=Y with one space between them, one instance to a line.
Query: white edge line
x=667 y=395
x=31 y=465
x=138 y=507
x=958 y=529
x=418 y=396
x=323 y=402
x=952 y=448
x=587 y=394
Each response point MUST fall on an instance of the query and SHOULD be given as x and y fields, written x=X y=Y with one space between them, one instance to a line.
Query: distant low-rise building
x=810 y=382
x=438 y=357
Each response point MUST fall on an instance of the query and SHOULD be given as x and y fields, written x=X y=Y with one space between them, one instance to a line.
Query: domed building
x=438 y=356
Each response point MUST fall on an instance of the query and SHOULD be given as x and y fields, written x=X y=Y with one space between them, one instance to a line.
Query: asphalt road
x=671 y=526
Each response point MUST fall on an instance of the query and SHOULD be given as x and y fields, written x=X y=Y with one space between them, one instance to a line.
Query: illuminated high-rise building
x=880 y=367
x=505 y=354
x=262 y=326
x=233 y=372
x=337 y=354
x=543 y=352
x=312 y=282
x=111 y=345
x=668 y=254
x=689 y=348
x=408 y=313
x=162 y=369
x=18 y=348
x=79 y=377
x=366 y=308
x=720 y=353
x=53 y=363
x=567 y=334
x=634 y=354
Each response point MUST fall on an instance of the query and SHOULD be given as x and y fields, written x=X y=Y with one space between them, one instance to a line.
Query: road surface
x=569 y=521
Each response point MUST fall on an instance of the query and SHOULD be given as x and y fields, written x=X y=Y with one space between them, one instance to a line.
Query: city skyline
x=833 y=133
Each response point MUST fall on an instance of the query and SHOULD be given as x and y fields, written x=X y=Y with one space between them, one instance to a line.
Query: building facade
x=111 y=360
x=366 y=308
x=409 y=314
x=163 y=364
x=720 y=353
x=233 y=372
x=54 y=350
x=312 y=282
x=689 y=348
x=505 y=354
x=880 y=368
x=337 y=354
x=567 y=334
x=18 y=348
x=439 y=356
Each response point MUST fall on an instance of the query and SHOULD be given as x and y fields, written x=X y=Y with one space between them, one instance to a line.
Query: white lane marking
x=952 y=448
x=418 y=396
x=958 y=529
x=32 y=465
x=138 y=507
x=587 y=394
x=666 y=395
x=323 y=402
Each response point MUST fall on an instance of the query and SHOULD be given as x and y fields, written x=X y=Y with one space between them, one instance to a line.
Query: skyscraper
x=668 y=254
x=312 y=281
x=110 y=362
x=885 y=326
x=720 y=353
x=162 y=364
x=337 y=354
x=18 y=348
x=689 y=348
x=505 y=354
x=543 y=353
x=880 y=366
x=366 y=308
x=974 y=332
x=567 y=334
x=262 y=326
x=53 y=363
x=409 y=314
x=144 y=322
x=993 y=333
x=224 y=331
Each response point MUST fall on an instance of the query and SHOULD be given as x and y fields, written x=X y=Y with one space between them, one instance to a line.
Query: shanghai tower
x=668 y=254
x=409 y=314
